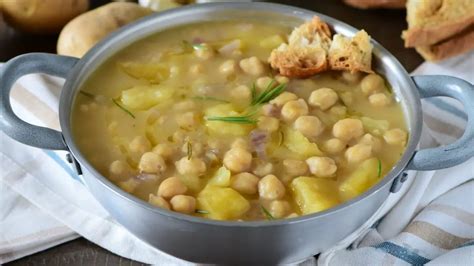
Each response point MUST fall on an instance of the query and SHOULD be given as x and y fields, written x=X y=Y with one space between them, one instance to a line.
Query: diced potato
x=272 y=42
x=361 y=179
x=193 y=183
x=314 y=194
x=144 y=97
x=373 y=126
x=225 y=128
x=222 y=203
x=221 y=177
x=299 y=144
x=152 y=72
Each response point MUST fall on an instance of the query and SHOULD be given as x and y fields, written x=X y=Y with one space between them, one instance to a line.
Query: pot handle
x=11 y=124
x=462 y=149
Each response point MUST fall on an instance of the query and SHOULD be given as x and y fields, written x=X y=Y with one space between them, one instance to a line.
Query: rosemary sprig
x=282 y=138
x=87 y=94
x=189 y=151
x=267 y=214
x=254 y=92
x=233 y=119
x=209 y=98
x=379 y=168
x=201 y=211
x=123 y=108
x=269 y=93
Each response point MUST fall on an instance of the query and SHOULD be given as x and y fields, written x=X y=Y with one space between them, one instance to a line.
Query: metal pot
x=199 y=240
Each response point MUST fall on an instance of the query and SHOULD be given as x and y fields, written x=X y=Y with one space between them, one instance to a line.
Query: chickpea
x=292 y=215
x=245 y=183
x=351 y=77
x=279 y=208
x=241 y=92
x=294 y=109
x=229 y=67
x=282 y=79
x=171 y=187
x=158 y=201
x=338 y=110
x=270 y=110
x=252 y=66
x=193 y=166
x=270 y=187
x=139 y=145
x=183 y=204
x=310 y=126
x=84 y=108
x=187 y=120
x=333 y=146
x=237 y=160
x=119 y=169
x=371 y=84
x=263 y=83
x=347 y=129
x=262 y=168
x=269 y=124
x=129 y=185
x=323 y=98
x=358 y=153
x=196 y=69
x=283 y=98
x=240 y=143
x=165 y=150
x=374 y=142
x=379 y=100
x=396 y=136
x=321 y=166
x=175 y=71
x=205 y=52
x=295 y=167
x=151 y=163
x=185 y=105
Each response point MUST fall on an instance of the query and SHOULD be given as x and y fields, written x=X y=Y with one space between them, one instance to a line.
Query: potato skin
x=41 y=16
x=84 y=31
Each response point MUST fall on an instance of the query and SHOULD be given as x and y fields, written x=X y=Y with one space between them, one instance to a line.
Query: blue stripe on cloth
x=469 y=243
x=63 y=164
x=402 y=253
x=448 y=108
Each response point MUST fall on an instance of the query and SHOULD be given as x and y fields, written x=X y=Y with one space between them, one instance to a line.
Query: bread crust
x=366 y=4
x=428 y=35
x=456 y=45
x=351 y=54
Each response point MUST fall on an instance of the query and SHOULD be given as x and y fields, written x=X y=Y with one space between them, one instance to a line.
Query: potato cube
x=221 y=177
x=222 y=203
x=148 y=71
x=225 y=128
x=299 y=144
x=361 y=179
x=144 y=97
x=314 y=194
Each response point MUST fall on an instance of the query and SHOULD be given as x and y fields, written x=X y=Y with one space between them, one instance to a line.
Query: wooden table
x=385 y=26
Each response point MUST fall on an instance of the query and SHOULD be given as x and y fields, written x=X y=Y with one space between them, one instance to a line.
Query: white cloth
x=43 y=204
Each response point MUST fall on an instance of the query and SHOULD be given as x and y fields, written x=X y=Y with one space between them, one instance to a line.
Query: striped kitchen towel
x=45 y=204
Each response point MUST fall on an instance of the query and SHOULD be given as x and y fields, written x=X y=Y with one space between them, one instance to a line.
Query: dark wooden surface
x=385 y=26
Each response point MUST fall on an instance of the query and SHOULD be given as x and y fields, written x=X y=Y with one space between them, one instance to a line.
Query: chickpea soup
x=194 y=120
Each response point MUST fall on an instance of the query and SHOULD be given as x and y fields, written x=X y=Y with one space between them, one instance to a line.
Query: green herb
x=233 y=119
x=201 y=211
x=269 y=94
x=123 y=108
x=87 y=94
x=267 y=213
x=189 y=150
x=254 y=92
x=194 y=46
x=209 y=98
x=379 y=168
x=282 y=138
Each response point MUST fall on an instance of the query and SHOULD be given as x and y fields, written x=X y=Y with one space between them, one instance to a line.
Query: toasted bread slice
x=366 y=4
x=430 y=22
x=306 y=52
x=351 y=54
x=458 y=44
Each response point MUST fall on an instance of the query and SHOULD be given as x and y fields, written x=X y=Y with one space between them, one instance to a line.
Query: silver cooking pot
x=200 y=240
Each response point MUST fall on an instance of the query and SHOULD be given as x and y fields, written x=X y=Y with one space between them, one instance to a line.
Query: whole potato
x=41 y=16
x=83 y=32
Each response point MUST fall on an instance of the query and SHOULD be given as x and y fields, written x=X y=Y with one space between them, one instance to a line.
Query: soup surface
x=194 y=120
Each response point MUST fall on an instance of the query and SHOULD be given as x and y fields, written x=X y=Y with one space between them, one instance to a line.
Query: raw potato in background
x=41 y=16
x=365 y=4
x=83 y=32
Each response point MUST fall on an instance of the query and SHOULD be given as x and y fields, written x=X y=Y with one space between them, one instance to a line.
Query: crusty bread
x=351 y=54
x=432 y=21
x=310 y=50
x=459 y=44
x=365 y=4
x=306 y=52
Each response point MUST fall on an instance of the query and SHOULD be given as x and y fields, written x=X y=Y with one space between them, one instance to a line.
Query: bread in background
x=366 y=4
x=41 y=16
x=459 y=44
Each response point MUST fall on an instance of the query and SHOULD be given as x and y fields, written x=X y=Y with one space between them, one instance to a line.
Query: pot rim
x=74 y=81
